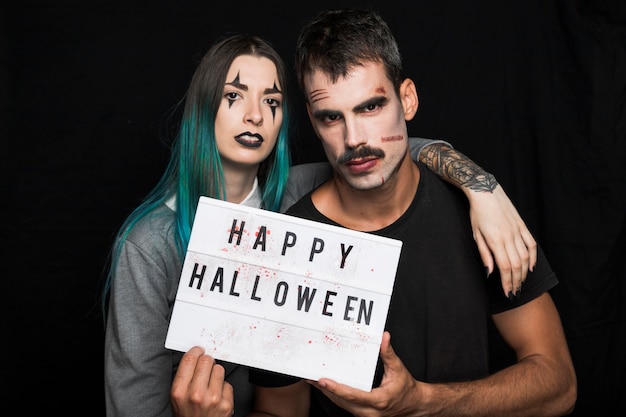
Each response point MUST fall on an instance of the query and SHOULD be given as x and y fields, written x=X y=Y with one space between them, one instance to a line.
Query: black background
x=534 y=91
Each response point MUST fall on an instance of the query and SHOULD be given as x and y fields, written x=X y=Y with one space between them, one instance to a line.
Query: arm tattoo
x=457 y=168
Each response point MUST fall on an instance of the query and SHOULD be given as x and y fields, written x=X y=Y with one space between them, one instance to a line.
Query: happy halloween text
x=225 y=281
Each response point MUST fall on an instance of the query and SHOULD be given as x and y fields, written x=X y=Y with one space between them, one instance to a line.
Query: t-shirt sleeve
x=540 y=280
x=417 y=144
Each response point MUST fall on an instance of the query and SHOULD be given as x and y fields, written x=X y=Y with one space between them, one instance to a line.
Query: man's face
x=249 y=117
x=361 y=123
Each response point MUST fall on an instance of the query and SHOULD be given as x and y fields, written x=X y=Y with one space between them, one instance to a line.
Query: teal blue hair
x=195 y=168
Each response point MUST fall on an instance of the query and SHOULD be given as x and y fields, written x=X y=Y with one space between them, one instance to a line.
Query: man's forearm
x=514 y=391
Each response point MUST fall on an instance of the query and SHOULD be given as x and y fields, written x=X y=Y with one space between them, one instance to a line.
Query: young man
x=349 y=68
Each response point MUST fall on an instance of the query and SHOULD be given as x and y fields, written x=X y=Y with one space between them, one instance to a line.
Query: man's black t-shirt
x=440 y=309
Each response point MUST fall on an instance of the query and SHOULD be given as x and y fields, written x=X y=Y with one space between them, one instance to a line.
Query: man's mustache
x=361 y=152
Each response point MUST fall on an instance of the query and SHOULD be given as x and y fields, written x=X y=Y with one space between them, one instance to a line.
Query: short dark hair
x=338 y=40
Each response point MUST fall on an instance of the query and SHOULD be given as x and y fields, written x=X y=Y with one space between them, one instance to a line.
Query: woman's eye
x=272 y=102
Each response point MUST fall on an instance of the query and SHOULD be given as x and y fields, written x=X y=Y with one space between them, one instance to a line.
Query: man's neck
x=373 y=209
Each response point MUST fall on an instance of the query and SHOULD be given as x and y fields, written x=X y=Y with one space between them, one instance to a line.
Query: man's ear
x=408 y=96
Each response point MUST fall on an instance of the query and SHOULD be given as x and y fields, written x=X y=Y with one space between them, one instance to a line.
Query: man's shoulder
x=302 y=207
x=302 y=179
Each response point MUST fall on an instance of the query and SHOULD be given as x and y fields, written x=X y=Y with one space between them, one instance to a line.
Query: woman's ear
x=408 y=96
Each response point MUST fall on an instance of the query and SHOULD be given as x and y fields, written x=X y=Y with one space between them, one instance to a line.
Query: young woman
x=232 y=144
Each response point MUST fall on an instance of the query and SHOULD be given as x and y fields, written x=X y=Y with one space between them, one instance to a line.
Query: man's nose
x=354 y=136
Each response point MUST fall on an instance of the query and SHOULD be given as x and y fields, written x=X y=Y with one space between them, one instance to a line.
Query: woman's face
x=250 y=113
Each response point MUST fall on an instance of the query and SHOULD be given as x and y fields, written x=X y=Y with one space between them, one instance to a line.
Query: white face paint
x=250 y=114
x=361 y=124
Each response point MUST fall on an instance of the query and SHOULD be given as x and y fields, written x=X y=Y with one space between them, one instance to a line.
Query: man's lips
x=250 y=140
x=359 y=166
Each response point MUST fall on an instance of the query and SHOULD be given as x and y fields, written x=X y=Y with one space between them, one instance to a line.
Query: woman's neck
x=239 y=183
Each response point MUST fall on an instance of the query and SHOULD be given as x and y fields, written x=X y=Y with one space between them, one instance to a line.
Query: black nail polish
x=486 y=272
x=518 y=293
x=510 y=295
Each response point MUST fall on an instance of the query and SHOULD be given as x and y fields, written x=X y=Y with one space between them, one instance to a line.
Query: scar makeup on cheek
x=394 y=138
x=317 y=95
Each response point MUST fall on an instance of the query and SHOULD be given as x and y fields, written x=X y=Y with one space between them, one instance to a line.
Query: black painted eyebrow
x=236 y=83
x=376 y=101
x=273 y=90
x=322 y=114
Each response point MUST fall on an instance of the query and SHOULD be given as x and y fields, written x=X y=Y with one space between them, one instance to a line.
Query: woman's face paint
x=250 y=115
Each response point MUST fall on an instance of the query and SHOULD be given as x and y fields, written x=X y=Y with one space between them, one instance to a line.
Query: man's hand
x=396 y=395
x=199 y=389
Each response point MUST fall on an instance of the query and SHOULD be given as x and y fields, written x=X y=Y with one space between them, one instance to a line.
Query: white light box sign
x=280 y=293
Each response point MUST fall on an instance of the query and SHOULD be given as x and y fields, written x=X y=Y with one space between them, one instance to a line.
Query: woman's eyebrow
x=273 y=90
x=237 y=83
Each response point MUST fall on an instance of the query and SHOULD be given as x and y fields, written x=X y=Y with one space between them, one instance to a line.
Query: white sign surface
x=285 y=294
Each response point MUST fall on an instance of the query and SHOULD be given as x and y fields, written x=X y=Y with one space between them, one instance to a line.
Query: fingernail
x=517 y=293
x=510 y=295
x=486 y=272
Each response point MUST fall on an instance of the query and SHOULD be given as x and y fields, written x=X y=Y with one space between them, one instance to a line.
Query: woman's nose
x=254 y=115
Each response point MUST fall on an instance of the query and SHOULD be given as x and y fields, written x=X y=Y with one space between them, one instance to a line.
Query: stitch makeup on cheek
x=317 y=95
x=394 y=138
